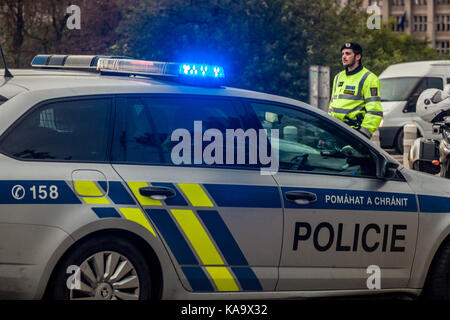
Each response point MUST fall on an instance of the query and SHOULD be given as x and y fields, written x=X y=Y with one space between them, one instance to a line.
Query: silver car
x=98 y=199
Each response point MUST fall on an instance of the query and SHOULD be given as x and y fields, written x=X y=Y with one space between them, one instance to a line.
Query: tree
x=32 y=27
x=265 y=45
x=386 y=48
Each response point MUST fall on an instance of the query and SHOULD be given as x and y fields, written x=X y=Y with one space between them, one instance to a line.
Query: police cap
x=356 y=47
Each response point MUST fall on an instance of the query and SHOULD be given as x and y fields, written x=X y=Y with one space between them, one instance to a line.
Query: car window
x=308 y=143
x=423 y=84
x=144 y=127
x=67 y=130
x=399 y=89
x=427 y=83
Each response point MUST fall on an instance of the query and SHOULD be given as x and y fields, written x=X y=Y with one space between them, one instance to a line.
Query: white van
x=401 y=85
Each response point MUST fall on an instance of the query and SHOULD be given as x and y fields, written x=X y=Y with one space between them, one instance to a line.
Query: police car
x=100 y=199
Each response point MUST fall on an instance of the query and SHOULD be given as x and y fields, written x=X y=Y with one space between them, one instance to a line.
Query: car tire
x=438 y=282
x=109 y=268
x=398 y=142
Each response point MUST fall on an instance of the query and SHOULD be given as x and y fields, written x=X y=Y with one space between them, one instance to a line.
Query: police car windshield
x=397 y=89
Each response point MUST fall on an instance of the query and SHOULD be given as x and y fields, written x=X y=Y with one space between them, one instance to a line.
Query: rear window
x=68 y=130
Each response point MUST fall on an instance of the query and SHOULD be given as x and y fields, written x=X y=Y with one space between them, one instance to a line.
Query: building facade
x=428 y=19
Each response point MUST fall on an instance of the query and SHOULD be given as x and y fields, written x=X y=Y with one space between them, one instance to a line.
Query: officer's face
x=349 y=59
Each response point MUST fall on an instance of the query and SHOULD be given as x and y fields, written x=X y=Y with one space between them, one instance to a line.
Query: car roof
x=77 y=83
x=35 y=85
x=416 y=69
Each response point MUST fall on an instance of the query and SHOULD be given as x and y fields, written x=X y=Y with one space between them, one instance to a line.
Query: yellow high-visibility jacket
x=356 y=100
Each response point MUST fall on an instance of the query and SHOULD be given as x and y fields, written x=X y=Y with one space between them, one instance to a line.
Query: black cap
x=356 y=47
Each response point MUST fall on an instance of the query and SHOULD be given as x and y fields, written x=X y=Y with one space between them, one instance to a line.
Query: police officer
x=356 y=93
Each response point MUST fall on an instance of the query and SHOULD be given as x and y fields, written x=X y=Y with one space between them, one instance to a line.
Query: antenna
x=7 y=73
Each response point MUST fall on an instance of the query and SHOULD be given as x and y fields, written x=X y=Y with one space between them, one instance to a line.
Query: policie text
x=370 y=238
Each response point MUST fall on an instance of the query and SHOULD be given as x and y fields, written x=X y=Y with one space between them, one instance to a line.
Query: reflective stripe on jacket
x=356 y=100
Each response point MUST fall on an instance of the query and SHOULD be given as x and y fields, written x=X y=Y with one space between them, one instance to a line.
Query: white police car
x=115 y=184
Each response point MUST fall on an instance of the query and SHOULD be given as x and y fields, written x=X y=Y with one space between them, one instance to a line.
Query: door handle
x=157 y=193
x=301 y=197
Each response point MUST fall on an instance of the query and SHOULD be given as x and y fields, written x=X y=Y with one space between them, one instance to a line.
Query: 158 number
x=42 y=192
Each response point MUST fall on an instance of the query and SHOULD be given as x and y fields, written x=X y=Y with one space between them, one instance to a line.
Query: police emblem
x=374 y=92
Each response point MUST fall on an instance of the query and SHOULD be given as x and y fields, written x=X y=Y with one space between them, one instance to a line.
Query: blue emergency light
x=192 y=73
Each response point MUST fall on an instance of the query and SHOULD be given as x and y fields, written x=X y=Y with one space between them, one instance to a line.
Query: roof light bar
x=132 y=66
x=193 y=73
x=68 y=61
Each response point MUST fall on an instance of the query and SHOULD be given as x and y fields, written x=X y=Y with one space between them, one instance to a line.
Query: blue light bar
x=192 y=73
x=201 y=71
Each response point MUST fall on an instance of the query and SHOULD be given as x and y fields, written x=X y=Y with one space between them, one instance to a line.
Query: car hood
x=426 y=184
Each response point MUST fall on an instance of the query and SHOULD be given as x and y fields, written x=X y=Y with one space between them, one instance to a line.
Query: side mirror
x=386 y=169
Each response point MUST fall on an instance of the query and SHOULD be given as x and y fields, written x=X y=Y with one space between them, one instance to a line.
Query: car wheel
x=438 y=284
x=102 y=269
x=398 y=142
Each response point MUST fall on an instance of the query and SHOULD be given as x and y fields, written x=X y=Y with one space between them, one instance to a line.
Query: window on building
x=399 y=26
x=443 y=23
x=398 y=3
x=420 y=23
x=443 y=46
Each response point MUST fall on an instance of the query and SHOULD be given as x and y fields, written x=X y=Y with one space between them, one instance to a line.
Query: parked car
x=401 y=84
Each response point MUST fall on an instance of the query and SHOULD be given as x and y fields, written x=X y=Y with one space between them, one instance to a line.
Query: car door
x=58 y=173
x=221 y=224
x=339 y=218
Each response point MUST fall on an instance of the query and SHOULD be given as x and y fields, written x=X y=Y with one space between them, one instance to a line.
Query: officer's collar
x=349 y=73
